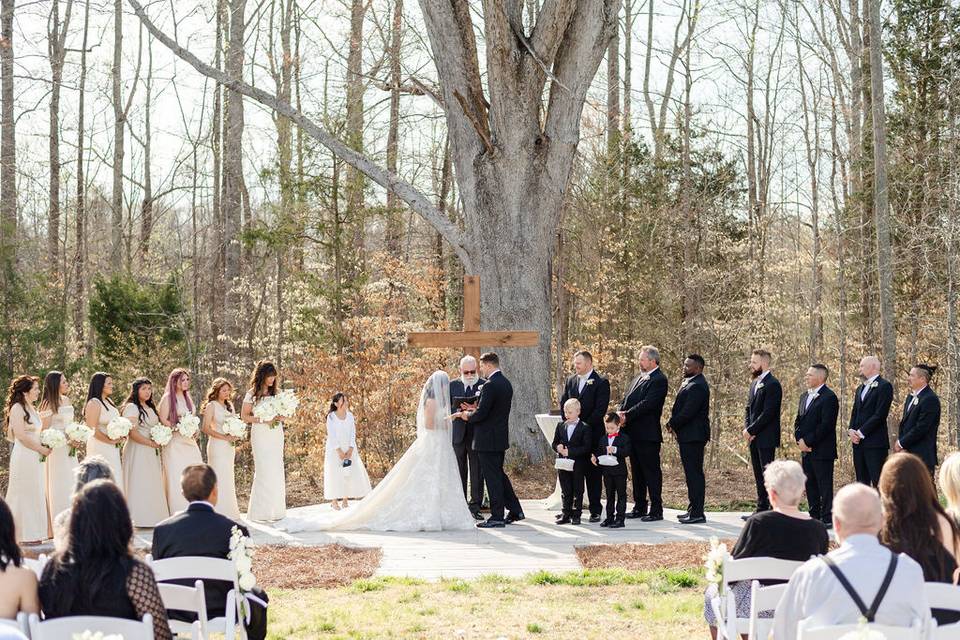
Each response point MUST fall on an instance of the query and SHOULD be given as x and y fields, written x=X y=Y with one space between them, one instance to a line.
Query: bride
x=421 y=492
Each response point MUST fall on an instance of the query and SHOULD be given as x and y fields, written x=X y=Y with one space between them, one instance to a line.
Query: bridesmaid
x=97 y=414
x=182 y=451
x=142 y=472
x=26 y=492
x=220 y=449
x=268 y=496
x=56 y=412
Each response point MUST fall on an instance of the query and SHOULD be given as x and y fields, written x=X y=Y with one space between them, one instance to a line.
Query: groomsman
x=467 y=386
x=761 y=427
x=868 y=422
x=640 y=412
x=815 y=430
x=593 y=392
x=921 y=417
x=690 y=424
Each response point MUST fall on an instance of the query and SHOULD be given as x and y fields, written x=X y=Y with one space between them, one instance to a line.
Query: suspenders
x=870 y=613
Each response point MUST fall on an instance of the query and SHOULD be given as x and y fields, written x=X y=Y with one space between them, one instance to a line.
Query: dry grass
x=644 y=557
x=328 y=566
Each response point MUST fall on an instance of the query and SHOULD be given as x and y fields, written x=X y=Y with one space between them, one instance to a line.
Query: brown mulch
x=645 y=557
x=332 y=565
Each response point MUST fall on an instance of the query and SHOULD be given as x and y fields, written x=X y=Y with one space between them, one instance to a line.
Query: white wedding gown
x=422 y=492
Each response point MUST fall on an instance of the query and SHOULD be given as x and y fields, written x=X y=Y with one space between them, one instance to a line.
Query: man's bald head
x=870 y=366
x=856 y=509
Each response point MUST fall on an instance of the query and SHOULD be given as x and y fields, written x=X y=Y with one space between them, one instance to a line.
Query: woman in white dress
x=220 y=446
x=268 y=495
x=56 y=411
x=142 y=469
x=421 y=493
x=340 y=482
x=182 y=451
x=27 y=488
x=97 y=414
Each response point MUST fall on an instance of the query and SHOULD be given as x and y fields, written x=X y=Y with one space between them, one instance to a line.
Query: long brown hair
x=213 y=394
x=263 y=370
x=910 y=508
x=17 y=394
x=50 y=398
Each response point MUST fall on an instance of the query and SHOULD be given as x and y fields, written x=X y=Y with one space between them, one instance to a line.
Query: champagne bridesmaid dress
x=220 y=454
x=177 y=456
x=143 y=473
x=60 y=464
x=107 y=451
x=27 y=488
x=268 y=496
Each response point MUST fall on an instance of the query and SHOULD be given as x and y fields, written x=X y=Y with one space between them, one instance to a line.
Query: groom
x=491 y=438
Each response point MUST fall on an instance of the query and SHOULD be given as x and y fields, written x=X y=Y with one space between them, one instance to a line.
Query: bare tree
x=233 y=187
x=57 y=53
x=80 y=261
x=8 y=138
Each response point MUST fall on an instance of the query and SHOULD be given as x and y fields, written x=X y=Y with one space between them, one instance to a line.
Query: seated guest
x=950 y=485
x=572 y=439
x=817 y=592
x=96 y=575
x=616 y=444
x=201 y=531
x=914 y=523
x=784 y=532
x=18 y=584
x=92 y=468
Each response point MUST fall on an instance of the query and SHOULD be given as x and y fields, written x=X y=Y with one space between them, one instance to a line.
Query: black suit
x=762 y=421
x=816 y=425
x=615 y=478
x=690 y=421
x=594 y=400
x=463 y=447
x=491 y=438
x=643 y=406
x=579 y=447
x=918 y=426
x=200 y=531
x=869 y=417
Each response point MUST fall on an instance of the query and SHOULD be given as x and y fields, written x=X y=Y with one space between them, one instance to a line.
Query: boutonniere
x=685 y=382
x=873 y=385
x=916 y=401
x=644 y=377
x=590 y=381
x=759 y=386
x=814 y=397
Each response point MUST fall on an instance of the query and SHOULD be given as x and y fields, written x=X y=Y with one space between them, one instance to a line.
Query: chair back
x=60 y=628
x=202 y=568
x=763 y=568
x=763 y=599
x=188 y=599
x=942 y=596
x=21 y=623
x=807 y=632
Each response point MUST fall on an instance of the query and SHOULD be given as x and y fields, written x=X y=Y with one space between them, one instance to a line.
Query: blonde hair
x=570 y=402
x=950 y=483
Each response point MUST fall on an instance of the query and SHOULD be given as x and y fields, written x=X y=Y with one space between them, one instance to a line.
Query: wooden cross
x=471 y=339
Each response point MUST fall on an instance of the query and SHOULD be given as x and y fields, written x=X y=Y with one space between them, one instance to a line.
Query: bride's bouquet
x=234 y=426
x=52 y=438
x=119 y=428
x=188 y=426
x=77 y=433
x=161 y=434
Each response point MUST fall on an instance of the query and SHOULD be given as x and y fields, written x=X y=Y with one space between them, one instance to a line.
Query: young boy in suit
x=572 y=440
x=616 y=444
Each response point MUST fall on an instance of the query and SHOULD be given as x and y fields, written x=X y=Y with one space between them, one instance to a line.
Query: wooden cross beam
x=471 y=339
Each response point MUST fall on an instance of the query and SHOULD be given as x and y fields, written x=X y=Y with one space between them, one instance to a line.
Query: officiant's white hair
x=468 y=360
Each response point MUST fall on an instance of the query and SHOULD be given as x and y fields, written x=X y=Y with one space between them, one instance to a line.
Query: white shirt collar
x=651 y=371
x=861 y=540
x=204 y=502
x=587 y=375
x=918 y=391
x=814 y=392
x=870 y=380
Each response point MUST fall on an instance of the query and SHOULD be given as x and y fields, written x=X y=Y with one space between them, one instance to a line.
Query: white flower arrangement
x=287 y=403
x=161 y=434
x=77 y=433
x=119 y=428
x=759 y=386
x=188 y=426
x=234 y=426
x=52 y=439
x=713 y=561
x=590 y=381
x=916 y=401
x=284 y=405
x=242 y=557
x=98 y=635
x=874 y=384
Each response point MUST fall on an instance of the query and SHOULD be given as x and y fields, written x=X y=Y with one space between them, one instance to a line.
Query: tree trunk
x=394 y=229
x=232 y=199
x=57 y=52
x=146 y=209
x=613 y=96
x=80 y=262
x=217 y=304
x=8 y=142
x=355 y=89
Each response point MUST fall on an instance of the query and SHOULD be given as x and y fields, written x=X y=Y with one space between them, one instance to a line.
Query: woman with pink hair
x=182 y=451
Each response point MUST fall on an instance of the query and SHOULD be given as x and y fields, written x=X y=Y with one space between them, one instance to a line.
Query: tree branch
x=404 y=190
x=550 y=27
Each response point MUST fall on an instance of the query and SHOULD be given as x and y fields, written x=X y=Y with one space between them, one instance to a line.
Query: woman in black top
x=96 y=575
x=914 y=523
x=785 y=533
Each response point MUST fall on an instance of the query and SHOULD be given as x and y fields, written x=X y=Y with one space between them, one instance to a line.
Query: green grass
x=604 y=603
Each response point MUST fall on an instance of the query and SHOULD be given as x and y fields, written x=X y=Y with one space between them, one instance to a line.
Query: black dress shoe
x=651 y=518
x=685 y=514
x=563 y=520
x=491 y=524
x=575 y=520
x=594 y=518
x=514 y=517
x=559 y=516
x=694 y=520
x=606 y=523
x=636 y=514
x=476 y=515
x=617 y=525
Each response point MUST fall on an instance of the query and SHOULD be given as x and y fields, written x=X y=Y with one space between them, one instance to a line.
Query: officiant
x=467 y=386
x=593 y=392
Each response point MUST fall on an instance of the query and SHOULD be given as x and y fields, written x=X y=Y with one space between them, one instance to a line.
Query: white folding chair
x=729 y=625
x=763 y=599
x=21 y=623
x=805 y=631
x=60 y=628
x=36 y=565
x=201 y=568
x=189 y=599
x=943 y=596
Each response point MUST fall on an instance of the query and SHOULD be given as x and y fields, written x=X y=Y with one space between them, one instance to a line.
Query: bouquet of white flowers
x=284 y=404
x=161 y=434
x=234 y=426
x=118 y=428
x=52 y=438
x=287 y=403
x=713 y=561
x=77 y=433
x=90 y=635
x=188 y=425
x=266 y=410
x=242 y=557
